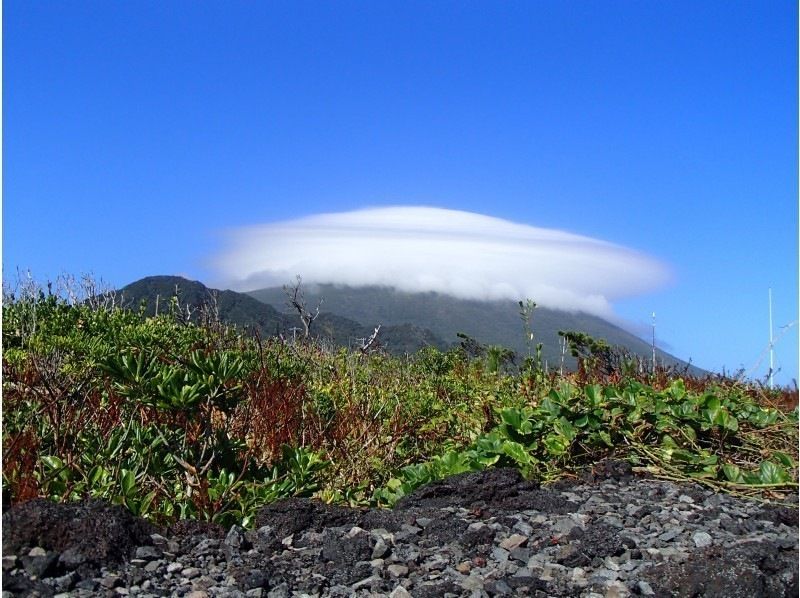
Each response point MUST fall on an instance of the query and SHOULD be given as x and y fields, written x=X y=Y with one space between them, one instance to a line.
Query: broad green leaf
x=732 y=472
x=54 y=463
x=517 y=452
x=127 y=481
x=784 y=459
x=728 y=422
x=771 y=473
x=677 y=389
x=606 y=438
x=594 y=394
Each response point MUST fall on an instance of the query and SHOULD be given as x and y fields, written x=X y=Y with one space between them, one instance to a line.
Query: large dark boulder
x=91 y=533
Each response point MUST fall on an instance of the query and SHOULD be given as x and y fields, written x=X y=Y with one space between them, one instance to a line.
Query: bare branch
x=368 y=342
x=297 y=301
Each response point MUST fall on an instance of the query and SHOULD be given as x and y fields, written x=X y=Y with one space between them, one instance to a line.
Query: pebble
x=702 y=539
x=582 y=552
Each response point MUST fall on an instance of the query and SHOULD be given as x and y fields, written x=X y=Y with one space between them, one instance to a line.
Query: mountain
x=248 y=313
x=409 y=321
x=488 y=322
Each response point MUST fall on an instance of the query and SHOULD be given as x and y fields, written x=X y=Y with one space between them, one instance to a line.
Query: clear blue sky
x=133 y=133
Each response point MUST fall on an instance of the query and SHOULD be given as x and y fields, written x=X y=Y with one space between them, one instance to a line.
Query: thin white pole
x=771 y=344
x=654 y=342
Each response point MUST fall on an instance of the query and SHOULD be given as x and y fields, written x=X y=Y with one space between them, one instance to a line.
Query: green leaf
x=784 y=459
x=144 y=506
x=127 y=481
x=53 y=463
x=97 y=474
x=728 y=422
x=517 y=452
x=566 y=429
x=712 y=407
x=771 y=473
x=677 y=389
x=606 y=438
x=594 y=394
x=732 y=472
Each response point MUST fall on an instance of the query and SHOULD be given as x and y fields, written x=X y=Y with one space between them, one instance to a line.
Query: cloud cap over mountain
x=419 y=249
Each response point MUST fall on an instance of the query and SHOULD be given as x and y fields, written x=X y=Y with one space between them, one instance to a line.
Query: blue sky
x=136 y=134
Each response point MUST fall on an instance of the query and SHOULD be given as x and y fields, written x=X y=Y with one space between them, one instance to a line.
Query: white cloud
x=431 y=249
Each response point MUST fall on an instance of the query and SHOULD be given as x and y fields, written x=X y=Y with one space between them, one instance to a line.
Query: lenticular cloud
x=419 y=249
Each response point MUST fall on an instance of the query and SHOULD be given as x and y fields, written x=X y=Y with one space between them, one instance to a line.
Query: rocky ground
x=484 y=534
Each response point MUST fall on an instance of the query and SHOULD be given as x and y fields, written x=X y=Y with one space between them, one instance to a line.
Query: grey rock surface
x=474 y=535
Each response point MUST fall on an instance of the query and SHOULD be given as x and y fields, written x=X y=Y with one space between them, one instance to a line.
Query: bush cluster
x=183 y=420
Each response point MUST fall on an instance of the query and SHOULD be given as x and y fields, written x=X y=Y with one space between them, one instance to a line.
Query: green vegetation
x=178 y=417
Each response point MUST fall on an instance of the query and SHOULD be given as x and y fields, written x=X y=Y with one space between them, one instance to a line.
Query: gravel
x=491 y=533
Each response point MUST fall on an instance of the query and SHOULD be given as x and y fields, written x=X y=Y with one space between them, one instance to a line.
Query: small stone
x=71 y=559
x=153 y=566
x=9 y=562
x=355 y=531
x=499 y=588
x=65 y=582
x=577 y=574
x=380 y=549
x=190 y=572
x=645 y=589
x=523 y=528
x=702 y=539
x=605 y=573
x=669 y=535
x=173 y=567
x=397 y=571
x=197 y=594
x=611 y=563
x=40 y=566
x=685 y=499
x=119 y=591
x=472 y=583
x=158 y=539
x=365 y=582
x=616 y=589
x=522 y=555
x=235 y=537
x=424 y=522
x=279 y=591
x=400 y=592
x=436 y=563
x=111 y=581
x=564 y=526
x=513 y=541
x=37 y=551
x=464 y=567
x=148 y=553
x=500 y=555
x=205 y=546
x=87 y=584
x=288 y=540
x=255 y=593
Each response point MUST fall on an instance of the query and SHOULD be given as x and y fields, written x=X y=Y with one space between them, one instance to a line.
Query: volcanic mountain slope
x=409 y=321
x=248 y=313
x=489 y=322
